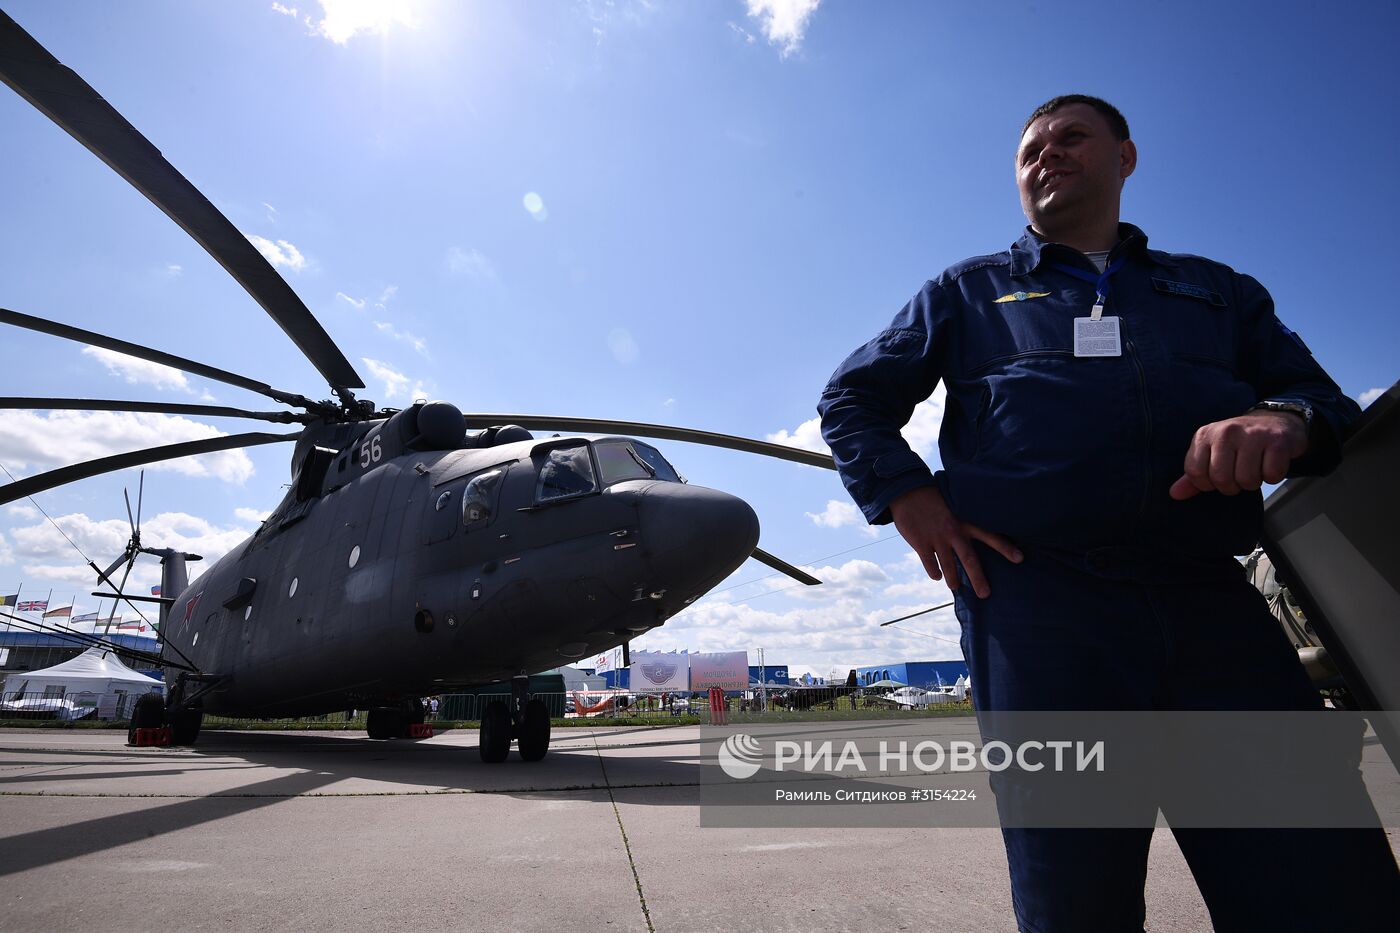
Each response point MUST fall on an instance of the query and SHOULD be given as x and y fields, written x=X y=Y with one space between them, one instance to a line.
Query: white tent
x=95 y=678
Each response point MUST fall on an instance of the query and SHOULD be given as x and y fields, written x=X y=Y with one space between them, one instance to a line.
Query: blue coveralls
x=1122 y=589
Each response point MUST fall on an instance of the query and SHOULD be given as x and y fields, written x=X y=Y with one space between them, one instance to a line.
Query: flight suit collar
x=1030 y=250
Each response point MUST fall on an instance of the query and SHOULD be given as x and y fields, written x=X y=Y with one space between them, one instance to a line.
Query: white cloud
x=43 y=552
x=344 y=19
x=38 y=443
x=395 y=382
x=835 y=626
x=807 y=435
x=839 y=514
x=924 y=588
x=784 y=22
x=256 y=516
x=535 y=205
x=23 y=510
x=1370 y=395
x=470 y=263
x=856 y=579
x=921 y=432
x=357 y=303
x=826 y=638
x=281 y=253
x=622 y=345
x=271 y=213
x=174 y=269
x=387 y=295
x=741 y=32
x=137 y=371
x=417 y=343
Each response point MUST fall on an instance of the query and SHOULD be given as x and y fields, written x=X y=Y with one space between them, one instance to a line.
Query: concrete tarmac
x=330 y=831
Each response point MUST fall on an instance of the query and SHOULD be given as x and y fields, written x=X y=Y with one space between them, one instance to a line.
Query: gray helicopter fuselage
x=444 y=568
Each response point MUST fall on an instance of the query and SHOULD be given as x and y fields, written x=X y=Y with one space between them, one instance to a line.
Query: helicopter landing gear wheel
x=148 y=713
x=185 y=725
x=384 y=723
x=534 y=731
x=495 y=732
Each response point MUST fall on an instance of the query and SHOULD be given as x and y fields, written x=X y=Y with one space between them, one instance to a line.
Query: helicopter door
x=445 y=510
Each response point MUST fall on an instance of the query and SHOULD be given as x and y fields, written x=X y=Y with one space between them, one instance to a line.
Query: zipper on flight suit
x=1146 y=426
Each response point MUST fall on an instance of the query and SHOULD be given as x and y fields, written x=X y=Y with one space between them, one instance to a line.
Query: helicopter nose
x=695 y=536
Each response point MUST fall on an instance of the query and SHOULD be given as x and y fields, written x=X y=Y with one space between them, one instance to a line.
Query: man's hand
x=937 y=536
x=1242 y=453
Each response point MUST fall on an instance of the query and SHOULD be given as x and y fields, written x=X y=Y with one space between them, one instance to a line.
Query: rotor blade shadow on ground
x=48 y=846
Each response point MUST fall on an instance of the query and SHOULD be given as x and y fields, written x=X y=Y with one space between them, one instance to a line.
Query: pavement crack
x=626 y=844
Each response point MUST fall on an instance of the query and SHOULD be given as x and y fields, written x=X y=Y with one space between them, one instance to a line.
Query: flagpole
x=18 y=592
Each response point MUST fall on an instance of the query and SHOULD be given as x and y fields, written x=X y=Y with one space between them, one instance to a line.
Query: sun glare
x=345 y=19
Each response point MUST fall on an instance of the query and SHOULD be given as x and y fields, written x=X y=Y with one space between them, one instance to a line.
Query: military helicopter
x=416 y=550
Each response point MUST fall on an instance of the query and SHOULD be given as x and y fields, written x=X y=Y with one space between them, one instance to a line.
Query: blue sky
x=675 y=212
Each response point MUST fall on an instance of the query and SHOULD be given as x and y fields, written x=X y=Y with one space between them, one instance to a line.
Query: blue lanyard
x=1100 y=282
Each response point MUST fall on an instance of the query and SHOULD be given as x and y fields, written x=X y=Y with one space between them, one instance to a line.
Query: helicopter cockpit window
x=479 y=498
x=624 y=460
x=652 y=457
x=567 y=471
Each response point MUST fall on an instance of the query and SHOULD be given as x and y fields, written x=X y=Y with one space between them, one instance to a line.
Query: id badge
x=1097 y=337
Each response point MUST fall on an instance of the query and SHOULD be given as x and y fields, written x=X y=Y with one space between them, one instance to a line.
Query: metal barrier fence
x=604 y=707
x=66 y=705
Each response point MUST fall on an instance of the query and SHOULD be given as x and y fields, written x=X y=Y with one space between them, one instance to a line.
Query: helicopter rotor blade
x=662 y=431
x=168 y=408
x=65 y=98
x=68 y=332
x=921 y=612
x=782 y=566
x=63 y=475
x=129 y=519
x=140 y=499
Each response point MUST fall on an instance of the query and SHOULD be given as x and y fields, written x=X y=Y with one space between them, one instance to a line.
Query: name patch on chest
x=1187 y=290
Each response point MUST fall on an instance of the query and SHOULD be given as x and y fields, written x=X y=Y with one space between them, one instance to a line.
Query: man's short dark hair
x=1116 y=123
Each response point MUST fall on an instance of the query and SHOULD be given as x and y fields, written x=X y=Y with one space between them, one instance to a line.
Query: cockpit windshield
x=566 y=471
x=623 y=460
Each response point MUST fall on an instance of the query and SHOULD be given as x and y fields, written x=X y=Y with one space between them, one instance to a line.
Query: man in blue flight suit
x=1112 y=412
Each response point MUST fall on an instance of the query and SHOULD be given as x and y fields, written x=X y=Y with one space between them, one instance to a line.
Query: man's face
x=1070 y=168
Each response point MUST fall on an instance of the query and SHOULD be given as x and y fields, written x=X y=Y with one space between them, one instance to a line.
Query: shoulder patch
x=1292 y=335
x=1188 y=290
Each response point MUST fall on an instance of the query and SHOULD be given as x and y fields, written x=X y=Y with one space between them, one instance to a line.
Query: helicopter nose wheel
x=495 y=732
x=533 y=732
x=526 y=720
x=392 y=722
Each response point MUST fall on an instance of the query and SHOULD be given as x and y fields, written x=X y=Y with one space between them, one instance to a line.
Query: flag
x=10 y=600
x=64 y=611
x=155 y=590
x=139 y=626
x=34 y=605
x=86 y=617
